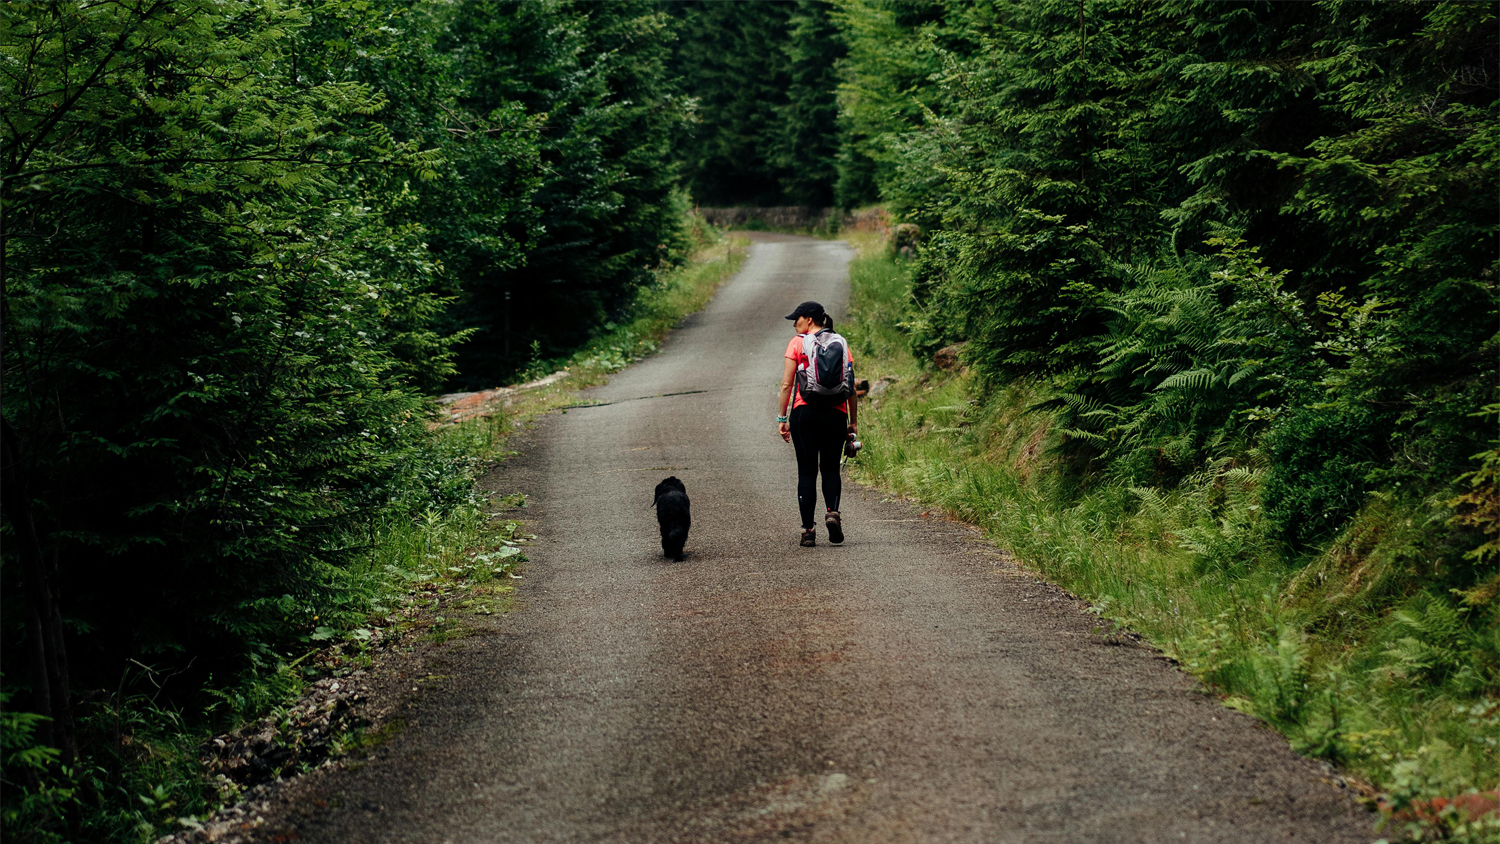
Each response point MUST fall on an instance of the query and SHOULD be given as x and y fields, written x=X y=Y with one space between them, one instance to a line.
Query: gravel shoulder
x=913 y=684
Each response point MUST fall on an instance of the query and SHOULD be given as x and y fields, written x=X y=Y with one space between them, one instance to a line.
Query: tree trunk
x=49 y=661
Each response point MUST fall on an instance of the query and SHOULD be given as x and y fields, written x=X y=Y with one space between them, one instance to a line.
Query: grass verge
x=1345 y=654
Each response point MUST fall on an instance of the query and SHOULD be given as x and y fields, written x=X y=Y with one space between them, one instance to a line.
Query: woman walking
x=816 y=426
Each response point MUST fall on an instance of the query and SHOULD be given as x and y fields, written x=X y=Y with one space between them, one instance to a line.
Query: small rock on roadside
x=880 y=385
x=948 y=358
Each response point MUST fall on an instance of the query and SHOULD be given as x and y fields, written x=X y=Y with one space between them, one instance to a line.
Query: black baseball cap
x=808 y=308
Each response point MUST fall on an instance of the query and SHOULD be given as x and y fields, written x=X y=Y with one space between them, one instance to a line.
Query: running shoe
x=835 y=527
x=809 y=538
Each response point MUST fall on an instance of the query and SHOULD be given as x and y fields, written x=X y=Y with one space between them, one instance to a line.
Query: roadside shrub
x=1320 y=463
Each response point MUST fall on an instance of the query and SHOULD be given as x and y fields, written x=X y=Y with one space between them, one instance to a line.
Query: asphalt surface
x=911 y=685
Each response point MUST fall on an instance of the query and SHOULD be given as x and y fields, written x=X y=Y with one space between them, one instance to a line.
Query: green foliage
x=897 y=50
x=1430 y=640
x=475 y=203
x=606 y=211
x=762 y=77
x=1182 y=377
x=805 y=144
x=37 y=794
x=1320 y=464
x=1478 y=507
x=203 y=353
x=1210 y=224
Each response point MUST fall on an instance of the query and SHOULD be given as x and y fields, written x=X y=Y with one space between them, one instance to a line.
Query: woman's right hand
x=786 y=430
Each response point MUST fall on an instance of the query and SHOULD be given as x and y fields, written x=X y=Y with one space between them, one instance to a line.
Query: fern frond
x=1193 y=379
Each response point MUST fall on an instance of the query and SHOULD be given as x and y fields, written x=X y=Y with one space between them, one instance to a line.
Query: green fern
x=1430 y=640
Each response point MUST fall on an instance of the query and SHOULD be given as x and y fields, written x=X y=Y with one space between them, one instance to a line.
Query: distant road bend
x=910 y=686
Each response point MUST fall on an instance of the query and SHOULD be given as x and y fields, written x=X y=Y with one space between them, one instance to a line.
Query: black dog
x=673 y=515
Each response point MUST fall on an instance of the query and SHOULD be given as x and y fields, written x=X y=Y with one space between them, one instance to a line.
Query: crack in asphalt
x=643 y=398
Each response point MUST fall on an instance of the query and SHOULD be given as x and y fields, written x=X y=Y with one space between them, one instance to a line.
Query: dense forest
x=763 y=78
x=244 y=243
x=1230 y=233
x=1244 y=251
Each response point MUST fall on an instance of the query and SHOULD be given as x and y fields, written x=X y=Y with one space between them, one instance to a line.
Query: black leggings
x=818 y=434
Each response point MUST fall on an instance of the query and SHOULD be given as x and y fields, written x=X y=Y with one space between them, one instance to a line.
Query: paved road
x=911 y=685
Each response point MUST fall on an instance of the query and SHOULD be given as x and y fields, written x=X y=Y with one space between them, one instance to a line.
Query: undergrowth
x=439 y=552
x=1345 y=650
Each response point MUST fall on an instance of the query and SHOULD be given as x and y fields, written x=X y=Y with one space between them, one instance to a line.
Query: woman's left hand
x=785 y=429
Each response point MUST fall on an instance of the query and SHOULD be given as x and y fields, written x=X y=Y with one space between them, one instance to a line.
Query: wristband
x=780 y=419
